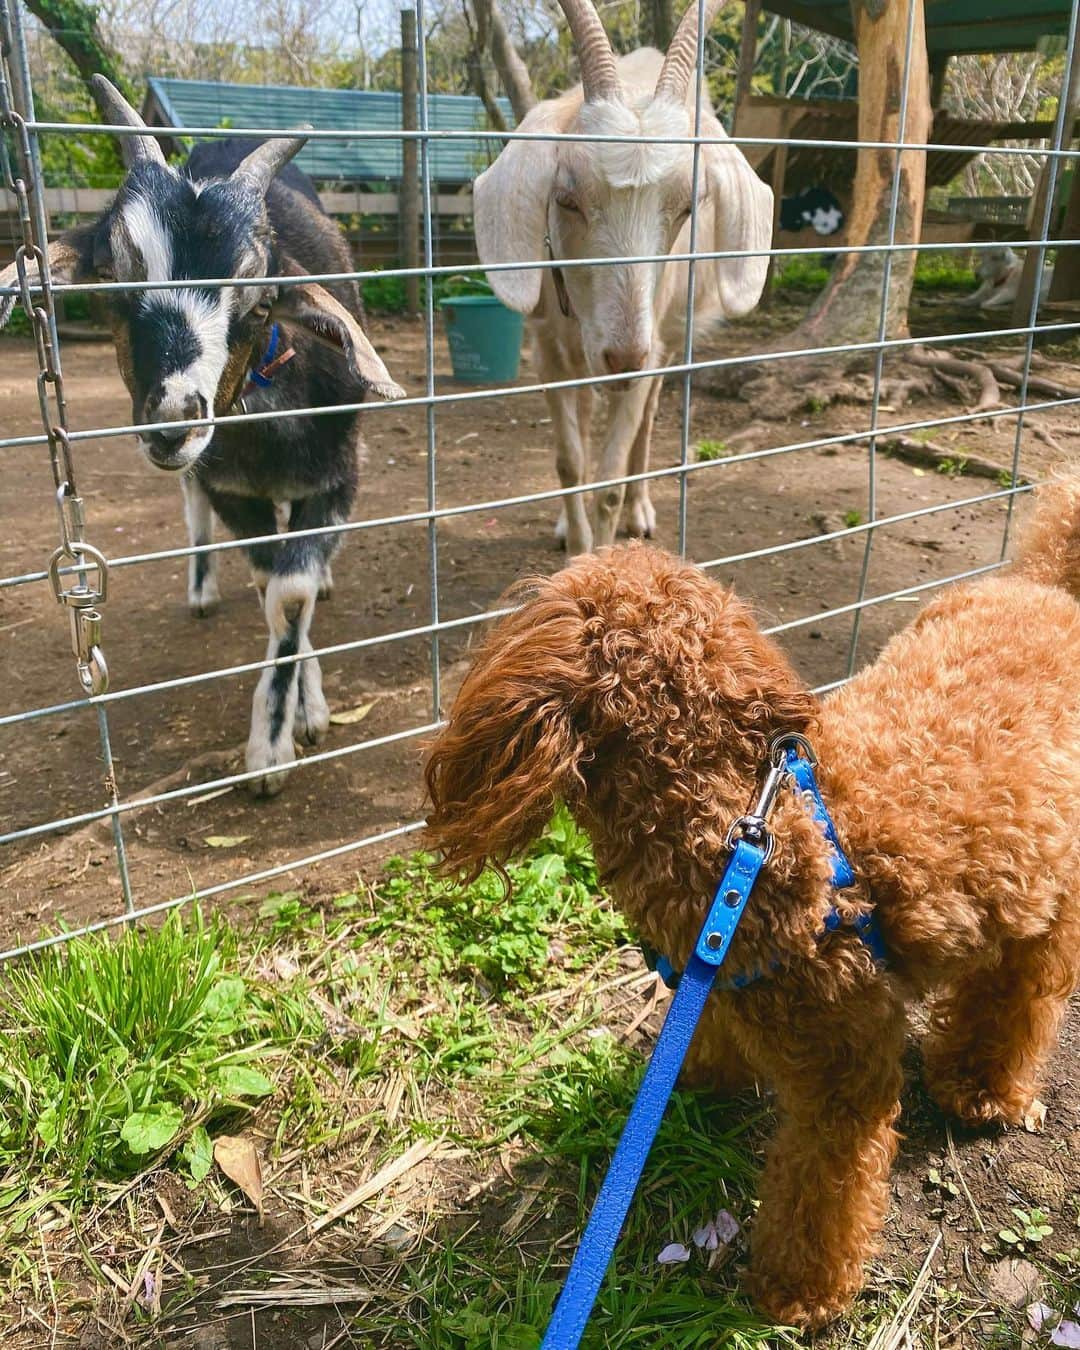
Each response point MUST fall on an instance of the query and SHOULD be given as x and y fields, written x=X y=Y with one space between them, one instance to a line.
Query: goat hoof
x=276 y=761
x=204 y=601
x=311 y=721
x=641 y=521
x=326 y=591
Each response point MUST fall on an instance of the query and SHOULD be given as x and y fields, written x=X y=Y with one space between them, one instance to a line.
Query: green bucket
x=484 y=338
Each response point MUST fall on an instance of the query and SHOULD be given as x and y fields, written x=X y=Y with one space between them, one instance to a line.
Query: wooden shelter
x=952 y=28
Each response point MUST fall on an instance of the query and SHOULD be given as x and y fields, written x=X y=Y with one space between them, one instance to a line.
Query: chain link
x=86 y=593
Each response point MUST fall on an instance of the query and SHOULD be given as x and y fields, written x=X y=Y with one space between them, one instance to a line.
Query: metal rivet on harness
x=732 y=897
x=715 y=940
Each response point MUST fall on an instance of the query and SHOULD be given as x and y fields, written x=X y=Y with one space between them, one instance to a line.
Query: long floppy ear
x=71 y=259
x=314 y=308
x=510 y=750
x=743 y=212
x=510 y=207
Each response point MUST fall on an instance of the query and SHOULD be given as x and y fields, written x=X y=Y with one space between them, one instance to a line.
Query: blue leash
x=750 y=853
x=602 y=1232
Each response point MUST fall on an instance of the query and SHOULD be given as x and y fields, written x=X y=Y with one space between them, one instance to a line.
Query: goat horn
x=595 y=56
x=268 y=159
x=134 y=149
x=681 y=55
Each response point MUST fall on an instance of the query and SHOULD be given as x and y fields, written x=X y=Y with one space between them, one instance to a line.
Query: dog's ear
x=510 y=751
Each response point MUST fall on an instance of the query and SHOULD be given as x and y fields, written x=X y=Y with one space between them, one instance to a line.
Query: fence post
x=410 y=185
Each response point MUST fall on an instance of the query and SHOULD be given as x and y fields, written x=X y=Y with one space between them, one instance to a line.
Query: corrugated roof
x=952 y=26
x=204 y=103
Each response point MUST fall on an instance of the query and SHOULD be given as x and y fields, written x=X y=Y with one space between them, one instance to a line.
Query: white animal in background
x=547 y=200
x=998 y=272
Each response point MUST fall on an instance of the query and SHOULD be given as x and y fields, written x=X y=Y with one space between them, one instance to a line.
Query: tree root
x=942 y=458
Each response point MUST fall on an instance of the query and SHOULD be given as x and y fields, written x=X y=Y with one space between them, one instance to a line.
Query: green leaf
x=223 y=1002
x=1007 y=1235
x=226 y=840
x=150 y=1130
x=237 y=1080
x=198 y=1153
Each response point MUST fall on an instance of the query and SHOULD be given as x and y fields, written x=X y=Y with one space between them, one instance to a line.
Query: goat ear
x=71 y=258
x=743 y=213
x=314 y=308
x=510 y=206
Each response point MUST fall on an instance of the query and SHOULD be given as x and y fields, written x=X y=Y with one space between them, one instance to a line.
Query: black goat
x=238 y=209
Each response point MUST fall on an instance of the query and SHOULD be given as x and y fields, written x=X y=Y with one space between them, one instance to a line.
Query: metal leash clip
x=753 y=825
x=82 y=600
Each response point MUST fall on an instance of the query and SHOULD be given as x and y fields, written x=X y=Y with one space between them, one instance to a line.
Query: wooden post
x=848 y=308
x=747 y=57
x=409 y=198
x=939 y=69
x=1033 y=262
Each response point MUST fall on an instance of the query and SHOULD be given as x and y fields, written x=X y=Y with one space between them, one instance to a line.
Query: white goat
x=998 y=272
x=569 y=200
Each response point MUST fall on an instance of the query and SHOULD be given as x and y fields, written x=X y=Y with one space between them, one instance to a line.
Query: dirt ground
x=51 y=767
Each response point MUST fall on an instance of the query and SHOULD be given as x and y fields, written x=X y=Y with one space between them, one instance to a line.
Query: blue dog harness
x=751 y=847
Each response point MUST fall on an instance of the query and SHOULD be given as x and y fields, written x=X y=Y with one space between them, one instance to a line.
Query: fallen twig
x=405 y=1162
x=893 y=1336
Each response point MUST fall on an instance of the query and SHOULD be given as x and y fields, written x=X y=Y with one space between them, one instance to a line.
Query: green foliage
x=709 y=450
x=943 y=272
x=111 y=1044
x=804 y=274
x=952 y=468
x=502 y=938
x=1032 y=1226
x=852 y=518
x=383 y=295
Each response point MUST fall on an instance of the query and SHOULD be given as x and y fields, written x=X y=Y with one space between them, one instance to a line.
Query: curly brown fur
x=644 y=695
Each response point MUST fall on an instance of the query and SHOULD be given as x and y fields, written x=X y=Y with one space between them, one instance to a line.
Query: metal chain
x=84 y=596
x=83 y=590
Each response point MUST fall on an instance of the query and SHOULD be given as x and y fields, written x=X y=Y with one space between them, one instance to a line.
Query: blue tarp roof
x=205 y=103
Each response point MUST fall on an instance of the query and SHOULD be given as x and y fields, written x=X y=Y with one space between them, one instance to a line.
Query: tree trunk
x=478 y=41
x=73 y=24
x=656 y=24
x=848 y=309
x=513 y=73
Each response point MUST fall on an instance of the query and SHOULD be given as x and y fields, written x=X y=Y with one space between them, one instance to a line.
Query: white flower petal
x=1038 y=1314
x=1067 y=1334
x=703 y=1236
x=673 y=1254
x=727 y=1228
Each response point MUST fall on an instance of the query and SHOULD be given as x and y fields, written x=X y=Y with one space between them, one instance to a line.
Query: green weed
x=708 y=450
x=111 y=1046
x=852 y=518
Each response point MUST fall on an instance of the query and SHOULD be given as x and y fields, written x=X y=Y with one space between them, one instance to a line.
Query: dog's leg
x=825 y=1189
x=714 y=1063
x=991 y=1035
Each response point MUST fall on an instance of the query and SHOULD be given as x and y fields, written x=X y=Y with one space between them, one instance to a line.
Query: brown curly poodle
x=644 y=695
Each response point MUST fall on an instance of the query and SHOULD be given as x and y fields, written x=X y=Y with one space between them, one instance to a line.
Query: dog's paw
x=807 y=1307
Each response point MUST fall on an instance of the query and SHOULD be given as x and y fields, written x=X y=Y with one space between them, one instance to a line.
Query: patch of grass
x=943 y=272
x=852 y=518
x=480 y=931
x=952 y=468
x=113 y=1047
x=814 y=404
x=708 y=450
x=805 y=274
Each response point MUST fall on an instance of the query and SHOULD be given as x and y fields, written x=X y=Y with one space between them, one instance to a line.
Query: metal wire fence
x=79 y=569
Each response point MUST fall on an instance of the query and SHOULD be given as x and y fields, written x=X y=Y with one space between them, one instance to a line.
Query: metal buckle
x=82 y=601
x=753 y=826
x=779 y=745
